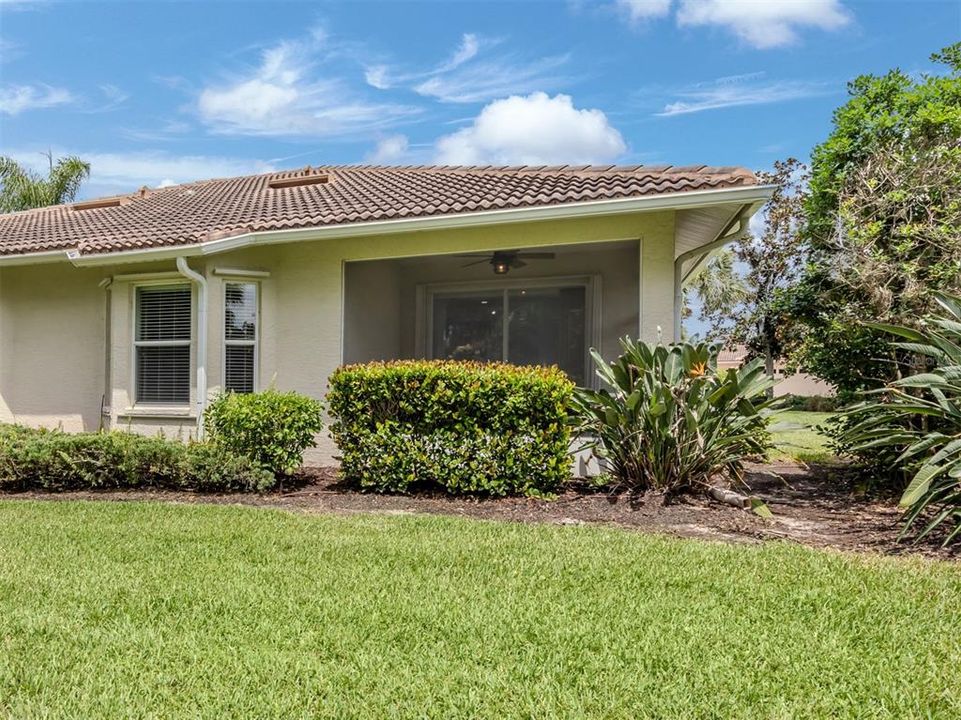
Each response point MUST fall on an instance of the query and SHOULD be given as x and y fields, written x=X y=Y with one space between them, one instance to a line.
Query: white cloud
x=496 y=78
x=739 y=90
x=9 y=51
x=761 y=23
x=21 y=4
x=283 y=96
x=112 y=173
x=533 y=130
x=381 y=77
x=471 y=75
x=113 y=97
x=389 y=150
x=376 y=76
x=469 y=47
x=764 y=24
x=638 y=10
x=15 y=99
x=163 y=133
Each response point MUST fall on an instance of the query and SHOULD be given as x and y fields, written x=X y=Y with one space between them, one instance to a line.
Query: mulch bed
x=814 y=506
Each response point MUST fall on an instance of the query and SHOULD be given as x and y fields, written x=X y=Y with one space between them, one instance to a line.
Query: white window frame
x=592 y=309
x=238 y=280
x=162 y=282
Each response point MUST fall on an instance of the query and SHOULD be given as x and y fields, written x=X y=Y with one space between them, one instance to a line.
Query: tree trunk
x=769 y=367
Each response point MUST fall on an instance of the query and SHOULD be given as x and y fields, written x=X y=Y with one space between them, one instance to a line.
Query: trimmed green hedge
x=57 y=461
x=465 y=427
x=272 y=428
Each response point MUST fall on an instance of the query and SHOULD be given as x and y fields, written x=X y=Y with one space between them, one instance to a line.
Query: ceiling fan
x=503 y=260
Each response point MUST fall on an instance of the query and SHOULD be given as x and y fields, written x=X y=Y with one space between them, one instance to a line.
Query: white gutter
x=725 y=236
x=201 y=281
x=594 y=208
x=34 y=258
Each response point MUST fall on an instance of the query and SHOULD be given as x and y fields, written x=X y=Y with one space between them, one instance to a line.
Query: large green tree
x=740 y=289
x=22 y=189
x=883 y=222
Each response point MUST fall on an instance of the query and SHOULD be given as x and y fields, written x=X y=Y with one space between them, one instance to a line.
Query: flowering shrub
x=667 y=419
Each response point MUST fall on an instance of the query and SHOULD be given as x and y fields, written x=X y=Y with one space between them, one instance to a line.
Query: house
x=131 y=311
x=800 y=384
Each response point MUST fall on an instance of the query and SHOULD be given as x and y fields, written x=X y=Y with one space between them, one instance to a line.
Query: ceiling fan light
x=501 y=267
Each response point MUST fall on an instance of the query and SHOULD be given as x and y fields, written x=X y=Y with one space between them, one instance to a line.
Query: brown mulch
x=813 y=506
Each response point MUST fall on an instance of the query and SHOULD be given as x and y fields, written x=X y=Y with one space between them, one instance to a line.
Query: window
x=240 y=337
x=162 y=344
x=535 y=325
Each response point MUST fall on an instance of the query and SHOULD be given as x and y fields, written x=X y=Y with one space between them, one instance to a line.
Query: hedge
x=56 y=461
x=272 y=428
x=464 y=427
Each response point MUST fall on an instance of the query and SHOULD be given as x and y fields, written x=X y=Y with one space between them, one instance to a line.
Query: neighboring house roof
x=732 y=356
x=197 y=212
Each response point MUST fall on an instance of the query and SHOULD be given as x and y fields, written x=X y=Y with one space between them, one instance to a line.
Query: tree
x=741 y=289
x=883 y=222
x=22 y=189
x=719 y=290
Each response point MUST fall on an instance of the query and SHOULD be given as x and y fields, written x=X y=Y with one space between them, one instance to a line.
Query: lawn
x=800 y=441
x=162 y=610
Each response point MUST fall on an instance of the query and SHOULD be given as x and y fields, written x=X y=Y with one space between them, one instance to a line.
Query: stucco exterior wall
x=52 y=346
x=373 y=318
x=6 y=415
x=52 y=317
x=803 y=385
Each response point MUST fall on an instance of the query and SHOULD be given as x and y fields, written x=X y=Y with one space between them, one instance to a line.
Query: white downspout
x=106 y=401
x=201 y=281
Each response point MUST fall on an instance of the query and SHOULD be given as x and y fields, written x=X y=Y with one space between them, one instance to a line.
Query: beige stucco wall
x=52 y=317
x=52 y=346
x=803 y=385
x=6 y=415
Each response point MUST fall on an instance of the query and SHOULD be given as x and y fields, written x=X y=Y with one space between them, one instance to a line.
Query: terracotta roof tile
x=199 y=211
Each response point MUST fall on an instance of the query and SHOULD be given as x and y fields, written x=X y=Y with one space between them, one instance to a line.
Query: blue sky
x=162 y=92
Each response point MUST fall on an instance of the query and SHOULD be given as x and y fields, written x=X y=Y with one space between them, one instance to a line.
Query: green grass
x=803 y=442
x=114 y=610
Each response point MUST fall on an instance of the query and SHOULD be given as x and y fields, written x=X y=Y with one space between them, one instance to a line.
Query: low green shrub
x=668 y=420
x=58 y=461
x=209 y=467
x=915 y=422
x=465 y=427
x=271 y=427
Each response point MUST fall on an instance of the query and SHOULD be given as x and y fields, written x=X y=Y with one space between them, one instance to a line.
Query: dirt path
x=810 y=506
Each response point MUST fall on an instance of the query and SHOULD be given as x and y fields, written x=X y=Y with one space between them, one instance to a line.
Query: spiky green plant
x=23 y=189
x=919 y=416
x=667 y=419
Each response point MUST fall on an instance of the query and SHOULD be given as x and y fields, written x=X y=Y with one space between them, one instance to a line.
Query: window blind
x=162 y=344
x=240 y=337
x=163 y=313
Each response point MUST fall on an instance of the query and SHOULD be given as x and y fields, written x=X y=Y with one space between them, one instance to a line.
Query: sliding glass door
x=536 y=325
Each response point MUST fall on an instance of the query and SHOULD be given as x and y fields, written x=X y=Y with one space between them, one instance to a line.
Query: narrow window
x=162 y=344
x=240 y=337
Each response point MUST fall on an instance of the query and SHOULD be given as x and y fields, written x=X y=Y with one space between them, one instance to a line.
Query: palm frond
x=66 y=178
x=23 y=189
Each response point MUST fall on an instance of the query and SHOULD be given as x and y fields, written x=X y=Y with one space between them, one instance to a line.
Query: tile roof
x=209 y=209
